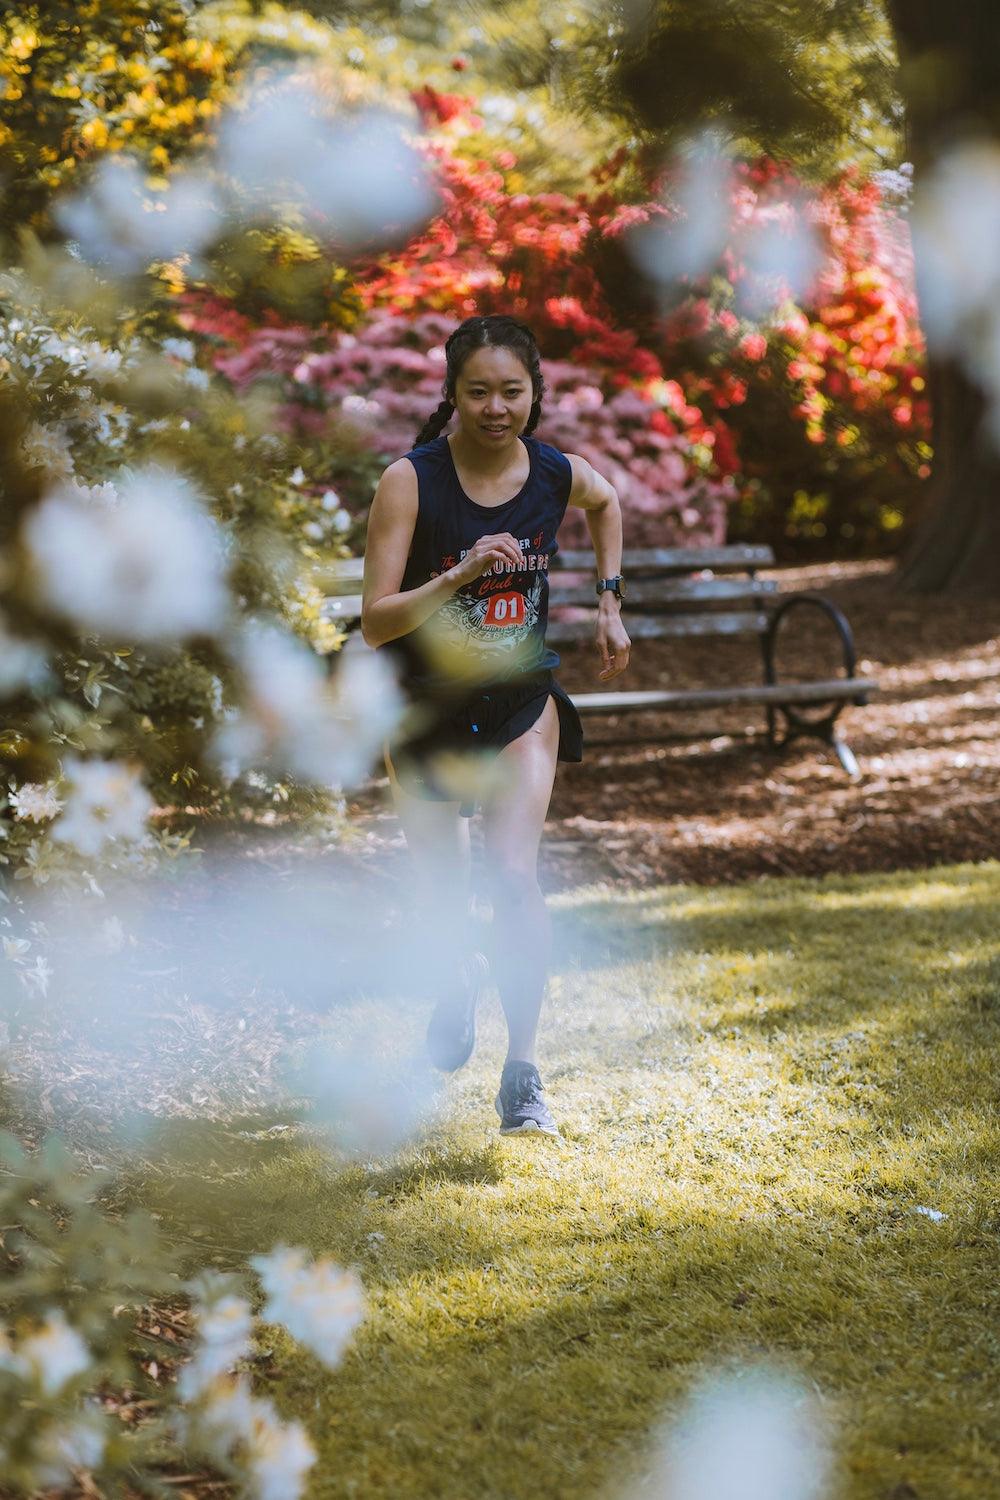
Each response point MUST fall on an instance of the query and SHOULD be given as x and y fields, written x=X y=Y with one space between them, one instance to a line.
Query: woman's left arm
x=599 y=500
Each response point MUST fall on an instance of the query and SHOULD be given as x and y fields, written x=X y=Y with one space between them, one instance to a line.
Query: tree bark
x=950 y=83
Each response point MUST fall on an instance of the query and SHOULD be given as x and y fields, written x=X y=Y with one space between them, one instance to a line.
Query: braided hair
x=492 y=331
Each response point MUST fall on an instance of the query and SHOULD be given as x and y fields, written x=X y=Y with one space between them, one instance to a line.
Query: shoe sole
x=480 y=982
x=527 y=1127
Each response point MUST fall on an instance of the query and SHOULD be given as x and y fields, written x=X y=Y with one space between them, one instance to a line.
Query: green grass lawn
x=758 y=1086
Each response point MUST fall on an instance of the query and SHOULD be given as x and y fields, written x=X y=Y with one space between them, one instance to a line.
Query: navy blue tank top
x=496 y=623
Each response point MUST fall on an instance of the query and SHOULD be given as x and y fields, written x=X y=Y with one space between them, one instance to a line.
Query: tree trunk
x=950 y=83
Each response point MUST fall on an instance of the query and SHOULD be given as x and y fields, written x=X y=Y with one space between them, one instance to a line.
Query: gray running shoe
x=451 y=1031
x=519 y=1103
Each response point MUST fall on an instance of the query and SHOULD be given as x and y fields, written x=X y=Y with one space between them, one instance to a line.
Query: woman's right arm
x=386 y=613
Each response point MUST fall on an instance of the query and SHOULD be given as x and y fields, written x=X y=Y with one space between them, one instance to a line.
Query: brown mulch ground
x=649 y=805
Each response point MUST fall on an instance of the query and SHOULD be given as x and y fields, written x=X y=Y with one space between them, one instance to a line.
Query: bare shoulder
x=589 y=490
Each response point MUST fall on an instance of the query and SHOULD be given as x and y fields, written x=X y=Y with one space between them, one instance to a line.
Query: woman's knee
x=513 y=881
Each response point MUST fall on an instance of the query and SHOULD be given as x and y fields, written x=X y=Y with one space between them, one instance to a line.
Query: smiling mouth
x=489 y=428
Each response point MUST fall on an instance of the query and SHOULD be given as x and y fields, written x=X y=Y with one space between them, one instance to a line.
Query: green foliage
x=76 y=1279
x=815 y=83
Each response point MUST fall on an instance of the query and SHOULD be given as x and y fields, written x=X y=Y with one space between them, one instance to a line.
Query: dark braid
x=493 y=331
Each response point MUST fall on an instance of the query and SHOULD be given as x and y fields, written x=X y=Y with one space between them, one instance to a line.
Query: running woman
x=460 y=537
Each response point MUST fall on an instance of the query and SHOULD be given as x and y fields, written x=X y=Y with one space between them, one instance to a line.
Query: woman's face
x=493 y=397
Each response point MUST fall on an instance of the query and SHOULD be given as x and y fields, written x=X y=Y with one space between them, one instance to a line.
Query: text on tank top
x=497 y=622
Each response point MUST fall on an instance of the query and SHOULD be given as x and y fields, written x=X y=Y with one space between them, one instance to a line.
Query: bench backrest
x=671 y=591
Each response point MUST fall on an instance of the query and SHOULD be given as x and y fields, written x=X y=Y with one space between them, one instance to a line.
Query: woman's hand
x=481 y=557
x=613 y=643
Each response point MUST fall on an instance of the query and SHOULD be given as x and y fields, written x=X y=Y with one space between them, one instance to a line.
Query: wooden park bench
x=684 y=592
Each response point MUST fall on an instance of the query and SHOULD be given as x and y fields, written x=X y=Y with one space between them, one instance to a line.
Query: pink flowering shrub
x=383 y=380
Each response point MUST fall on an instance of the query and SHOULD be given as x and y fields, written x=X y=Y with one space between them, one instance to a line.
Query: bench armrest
x=814 y=601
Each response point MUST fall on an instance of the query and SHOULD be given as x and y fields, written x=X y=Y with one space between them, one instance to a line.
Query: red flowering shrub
x=810 y=421
x=825 y=400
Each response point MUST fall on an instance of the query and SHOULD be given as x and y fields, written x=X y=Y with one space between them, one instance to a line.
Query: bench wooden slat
x=344 y=570
x=649 y=627
x=781 y=692
x=640 y=627
x=675 y=559
x=650 y=591
x=342 y=607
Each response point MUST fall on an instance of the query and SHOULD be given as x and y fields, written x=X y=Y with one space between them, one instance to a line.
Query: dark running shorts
x=487 y=721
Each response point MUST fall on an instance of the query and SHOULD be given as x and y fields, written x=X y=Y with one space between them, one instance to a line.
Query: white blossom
x=106 y=801
x=750 y=1435
x=324 y=731
x=319 y=1302
x=150 y=568
x=118 y=222
x=22 y=663
x=64 y=1449
x=284 y=141
x=37 y=978
x=51 y=1357
x=330 y=500
x=693 y=241
x=49 y=449
x=342 y=520
x=32 y=802
x=178 y=348
x=278 y=1455
x=224 y=1328
x=274 y=1455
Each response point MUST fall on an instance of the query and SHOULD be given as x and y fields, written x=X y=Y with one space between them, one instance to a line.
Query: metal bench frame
x=657 y=579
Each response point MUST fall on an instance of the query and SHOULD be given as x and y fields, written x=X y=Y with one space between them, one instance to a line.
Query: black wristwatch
x=616 y=585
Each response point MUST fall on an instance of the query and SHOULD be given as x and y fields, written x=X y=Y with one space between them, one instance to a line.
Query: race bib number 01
x=505 y=610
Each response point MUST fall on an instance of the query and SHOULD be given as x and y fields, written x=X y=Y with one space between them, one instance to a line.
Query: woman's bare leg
x=512 y=828
x=438 y=842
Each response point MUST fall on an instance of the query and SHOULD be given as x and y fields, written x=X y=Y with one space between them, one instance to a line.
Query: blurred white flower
x=274 y=1455
x=110 y=936
x=356 y=168
x=198 y=378
x=64 y=1449
x=342 y=520
x=313 y=530
x=224 y=1328
x=22 y=663
x=33 y=802
x=50 y=1357
x=37 y=977
x=752 y=1435
x=319 y=1302
x=782 y=253
x=297 y=476
x=178 y=348
x=106 y=801
x=323 y=731
x=223 y=1418
x=150 y=568
x=689 y=244
x=118 y=222
x=278 y=1455
x=956 y=234
x=330 y=500
x=49 y=449
x=102 y=363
